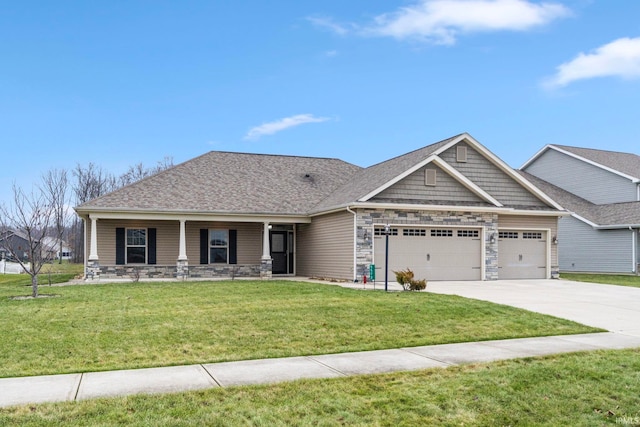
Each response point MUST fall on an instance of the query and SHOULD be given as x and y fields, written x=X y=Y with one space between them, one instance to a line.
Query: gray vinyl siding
x=582 y=179
x=168 y=240
x=533 y=222
x=326 y=246
x=413 y=188
x=585 y=249
x=491 y=179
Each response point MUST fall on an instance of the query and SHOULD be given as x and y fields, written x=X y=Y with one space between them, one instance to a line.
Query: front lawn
x=582 y=389
x=133 y=325
x=608 y=279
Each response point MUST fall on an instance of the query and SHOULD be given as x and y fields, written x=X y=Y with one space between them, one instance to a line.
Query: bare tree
x=30 y=215
x=90 y=182
x=139 y=171
x=55 y=189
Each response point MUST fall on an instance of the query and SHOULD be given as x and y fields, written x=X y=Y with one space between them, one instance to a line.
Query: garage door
x=431 y=253
x=522 y=254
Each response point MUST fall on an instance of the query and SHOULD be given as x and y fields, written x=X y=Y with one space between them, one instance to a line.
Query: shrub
x=407 y=281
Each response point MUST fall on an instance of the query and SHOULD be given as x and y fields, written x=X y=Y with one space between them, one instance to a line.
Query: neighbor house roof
x=225 y=182
x=627 y=164
x=613 y=215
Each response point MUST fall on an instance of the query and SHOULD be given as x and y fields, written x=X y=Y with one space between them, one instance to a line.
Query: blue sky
x=122 y=82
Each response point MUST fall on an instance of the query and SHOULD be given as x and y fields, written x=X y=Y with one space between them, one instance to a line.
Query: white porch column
x=93 y=250
x=182 y=251
x=266 y=249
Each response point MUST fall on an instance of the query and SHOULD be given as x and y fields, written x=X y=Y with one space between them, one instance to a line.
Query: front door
x=282 y=252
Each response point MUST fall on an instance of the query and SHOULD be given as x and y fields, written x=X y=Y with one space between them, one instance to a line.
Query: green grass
x=133 y=325
x=609 y=279
x=582 y=389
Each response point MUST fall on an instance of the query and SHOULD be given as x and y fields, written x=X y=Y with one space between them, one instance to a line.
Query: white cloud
x=620 y=58
x=329 y=24
x=440 y=21
x=282 y=124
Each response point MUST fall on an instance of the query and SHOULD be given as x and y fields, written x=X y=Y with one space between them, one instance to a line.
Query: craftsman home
x=602 y=191
x=453 y=211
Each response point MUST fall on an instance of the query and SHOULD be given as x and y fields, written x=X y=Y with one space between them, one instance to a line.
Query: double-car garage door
x=431 y=253
x=441 y=253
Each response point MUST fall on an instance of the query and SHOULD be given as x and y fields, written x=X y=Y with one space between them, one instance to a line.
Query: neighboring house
x=602 y=190
x=14 y=241
x=455 y=212
x=52 y=246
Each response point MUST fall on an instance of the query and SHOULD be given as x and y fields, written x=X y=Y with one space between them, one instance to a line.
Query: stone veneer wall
x=368 y=218
x=173 y=271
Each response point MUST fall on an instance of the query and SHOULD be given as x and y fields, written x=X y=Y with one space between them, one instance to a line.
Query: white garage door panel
x=520 y=257
x=430 y=257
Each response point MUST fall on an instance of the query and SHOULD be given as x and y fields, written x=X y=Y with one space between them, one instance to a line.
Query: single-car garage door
x=522 y=254
x=431 y=253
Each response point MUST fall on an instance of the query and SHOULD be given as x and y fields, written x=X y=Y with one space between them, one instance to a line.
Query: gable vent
x=430 y=177
x=461 y=154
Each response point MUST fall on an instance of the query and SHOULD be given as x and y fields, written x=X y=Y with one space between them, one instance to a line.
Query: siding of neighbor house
x=582 y=179
x=491 y=179
x=506 y=222
x=584 y=248
x=413 y=188
x=326 y=246
x=249 y=241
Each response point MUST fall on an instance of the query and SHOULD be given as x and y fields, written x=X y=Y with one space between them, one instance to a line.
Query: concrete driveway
x=614 y=308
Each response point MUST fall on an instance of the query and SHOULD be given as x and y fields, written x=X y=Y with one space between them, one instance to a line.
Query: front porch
x=182 y=248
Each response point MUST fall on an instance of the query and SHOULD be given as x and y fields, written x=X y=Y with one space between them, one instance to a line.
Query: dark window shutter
x=204 y=246
x=151 y=246
x=120 y=246
x=233 y=246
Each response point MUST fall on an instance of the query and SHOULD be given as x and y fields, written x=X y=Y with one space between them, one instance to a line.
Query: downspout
x=634 y=250
x=355 y=243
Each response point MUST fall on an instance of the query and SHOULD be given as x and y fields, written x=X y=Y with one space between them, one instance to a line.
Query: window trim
x=127 y=245
x=211 y=246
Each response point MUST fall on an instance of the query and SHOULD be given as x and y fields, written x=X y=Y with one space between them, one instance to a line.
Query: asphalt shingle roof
x=224 y=182
x=373 y=177
x=613 y=214
x=626 y=163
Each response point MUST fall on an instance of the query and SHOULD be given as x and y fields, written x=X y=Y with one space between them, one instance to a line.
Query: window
x=508 y=235
x=468 y=233
x=441 y=233
x=532 y=235
x=380 y=232
x=414 y=232
x=136 y=246
x=218 y=246
x=461 y=154
x=430 y=177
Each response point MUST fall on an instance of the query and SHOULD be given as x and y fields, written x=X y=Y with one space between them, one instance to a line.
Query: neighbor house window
x=136 y=246
x=219 y=246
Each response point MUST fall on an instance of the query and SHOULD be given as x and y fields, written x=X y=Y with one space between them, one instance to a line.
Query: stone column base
x=93 y=270
x=182 y=269
x=266 y=269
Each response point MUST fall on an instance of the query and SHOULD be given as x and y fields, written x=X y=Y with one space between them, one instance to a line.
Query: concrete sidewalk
x=69 y=387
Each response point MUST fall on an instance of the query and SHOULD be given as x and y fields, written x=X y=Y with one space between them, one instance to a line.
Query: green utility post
x=372 y=272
